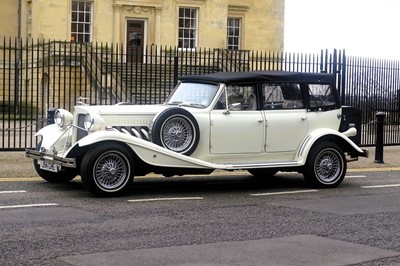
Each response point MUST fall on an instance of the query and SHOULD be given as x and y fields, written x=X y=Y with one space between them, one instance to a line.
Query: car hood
x=121 y=109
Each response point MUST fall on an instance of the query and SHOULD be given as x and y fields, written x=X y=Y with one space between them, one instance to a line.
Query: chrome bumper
x=37 y=155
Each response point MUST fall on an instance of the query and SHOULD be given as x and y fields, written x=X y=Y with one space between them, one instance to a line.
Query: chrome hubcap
x=177 y=134
x=111 y=170
x=328 y=166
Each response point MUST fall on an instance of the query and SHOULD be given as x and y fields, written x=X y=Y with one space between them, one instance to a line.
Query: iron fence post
x=175 y=70
x=380 y=122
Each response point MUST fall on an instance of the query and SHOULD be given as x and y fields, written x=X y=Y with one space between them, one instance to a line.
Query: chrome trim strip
x=262 y=165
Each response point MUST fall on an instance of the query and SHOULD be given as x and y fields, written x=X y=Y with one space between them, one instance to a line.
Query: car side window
x=282 y=96
x=292 y=96
x=321 y=95
x=244 y=97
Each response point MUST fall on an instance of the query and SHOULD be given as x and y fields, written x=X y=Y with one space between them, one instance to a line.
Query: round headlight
x=62 y=117
x=92 y=122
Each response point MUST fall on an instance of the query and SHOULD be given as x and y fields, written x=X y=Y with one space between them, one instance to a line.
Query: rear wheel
x=107 y=170
x=326 y=165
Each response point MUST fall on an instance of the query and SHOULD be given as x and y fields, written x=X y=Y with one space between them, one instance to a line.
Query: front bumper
x=63 y=162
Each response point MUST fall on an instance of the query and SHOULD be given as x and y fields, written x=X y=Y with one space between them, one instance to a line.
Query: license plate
x=48 y=166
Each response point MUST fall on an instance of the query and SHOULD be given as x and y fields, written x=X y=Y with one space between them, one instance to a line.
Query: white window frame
x=232 y=29
x=192 y=28
x=82 y=25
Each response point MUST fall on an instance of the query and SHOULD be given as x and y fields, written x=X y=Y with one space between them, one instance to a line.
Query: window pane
x=87 y=19
x=233 y=33
x=187 y=27
x=81 y=21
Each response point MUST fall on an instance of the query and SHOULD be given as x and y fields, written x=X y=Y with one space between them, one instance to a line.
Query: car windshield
x=193 y=94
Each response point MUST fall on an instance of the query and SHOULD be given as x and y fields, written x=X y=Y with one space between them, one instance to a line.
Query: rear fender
x=341 y=139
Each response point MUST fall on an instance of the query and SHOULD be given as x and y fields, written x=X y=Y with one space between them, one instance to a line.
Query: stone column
x=157 y=29
x=116 y=26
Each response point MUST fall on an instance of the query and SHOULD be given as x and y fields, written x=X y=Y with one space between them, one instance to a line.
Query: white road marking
x=166 y=199
x=29 y=206
x=382 y=186
x=283 y=192
x=12 y=191
x=355 y=176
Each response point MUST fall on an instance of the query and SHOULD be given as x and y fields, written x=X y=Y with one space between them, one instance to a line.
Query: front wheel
x=107 y=170
x=326 y=165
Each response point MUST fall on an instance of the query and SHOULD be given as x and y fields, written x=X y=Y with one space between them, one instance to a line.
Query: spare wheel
x=177 y=130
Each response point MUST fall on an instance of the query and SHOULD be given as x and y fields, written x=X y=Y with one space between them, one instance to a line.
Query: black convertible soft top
x=261 y=76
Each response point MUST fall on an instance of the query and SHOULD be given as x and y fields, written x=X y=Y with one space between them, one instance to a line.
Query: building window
x=187 y=28
x=233 y=34
x=81 y=21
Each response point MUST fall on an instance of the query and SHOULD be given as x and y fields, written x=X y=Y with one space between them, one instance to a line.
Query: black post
x=175 y=70
x=380 y=122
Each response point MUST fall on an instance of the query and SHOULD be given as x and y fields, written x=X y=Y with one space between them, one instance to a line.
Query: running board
x=262 y=165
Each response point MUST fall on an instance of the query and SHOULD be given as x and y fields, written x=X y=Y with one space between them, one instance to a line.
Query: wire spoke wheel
x=177 y=134
x=177 y=130
x=107 y=169
x=111 y=170
x=328 y=166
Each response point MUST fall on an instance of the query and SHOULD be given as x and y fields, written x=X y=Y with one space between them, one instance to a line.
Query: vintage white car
x=262 y=122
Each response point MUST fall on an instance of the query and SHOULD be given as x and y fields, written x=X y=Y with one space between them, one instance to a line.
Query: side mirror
x=231 y=107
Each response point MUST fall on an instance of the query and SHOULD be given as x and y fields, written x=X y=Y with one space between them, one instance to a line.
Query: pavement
x=16 y=165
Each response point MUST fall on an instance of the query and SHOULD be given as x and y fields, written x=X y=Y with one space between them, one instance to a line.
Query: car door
x=238 y=126
x=285 y=117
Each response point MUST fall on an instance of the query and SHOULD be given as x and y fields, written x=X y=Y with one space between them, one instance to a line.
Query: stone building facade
x=187 y=24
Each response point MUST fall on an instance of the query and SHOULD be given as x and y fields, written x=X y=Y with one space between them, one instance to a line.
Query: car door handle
x=260 y=121
x=303 y=118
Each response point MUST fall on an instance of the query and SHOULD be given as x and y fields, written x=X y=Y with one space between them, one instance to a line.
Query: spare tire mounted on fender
x=176 y=129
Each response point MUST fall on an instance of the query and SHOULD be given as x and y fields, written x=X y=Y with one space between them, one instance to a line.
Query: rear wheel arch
x=340 y=142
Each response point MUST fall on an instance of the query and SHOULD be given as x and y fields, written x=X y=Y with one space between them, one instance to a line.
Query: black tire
x=176 y=129
x=63 y=176
x=107 y=170
x=326 y=165
x=263 y=172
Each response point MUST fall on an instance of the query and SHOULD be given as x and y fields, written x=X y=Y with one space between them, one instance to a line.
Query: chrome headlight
x=92 y=122
x=62 y=117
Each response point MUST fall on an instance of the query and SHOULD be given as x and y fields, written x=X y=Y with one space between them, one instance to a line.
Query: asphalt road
x=233 y=219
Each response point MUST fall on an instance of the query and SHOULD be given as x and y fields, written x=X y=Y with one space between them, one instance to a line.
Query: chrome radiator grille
x=80 y=132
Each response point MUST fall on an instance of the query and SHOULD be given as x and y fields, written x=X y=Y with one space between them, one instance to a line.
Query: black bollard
x=380 y=122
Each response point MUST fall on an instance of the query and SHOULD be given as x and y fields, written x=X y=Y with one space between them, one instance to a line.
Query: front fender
x=147 y=151
x=50 y=135
x=318 y=134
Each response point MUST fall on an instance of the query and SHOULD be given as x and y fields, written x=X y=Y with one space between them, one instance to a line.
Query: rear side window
x=282 y=96
x=322 y=96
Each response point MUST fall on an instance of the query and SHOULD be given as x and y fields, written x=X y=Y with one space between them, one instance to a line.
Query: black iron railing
x=38 y=75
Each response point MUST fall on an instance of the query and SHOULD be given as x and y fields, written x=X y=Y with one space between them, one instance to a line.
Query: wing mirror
x=231 y=107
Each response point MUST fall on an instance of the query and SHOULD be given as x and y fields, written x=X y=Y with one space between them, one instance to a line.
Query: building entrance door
x=135 y=34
